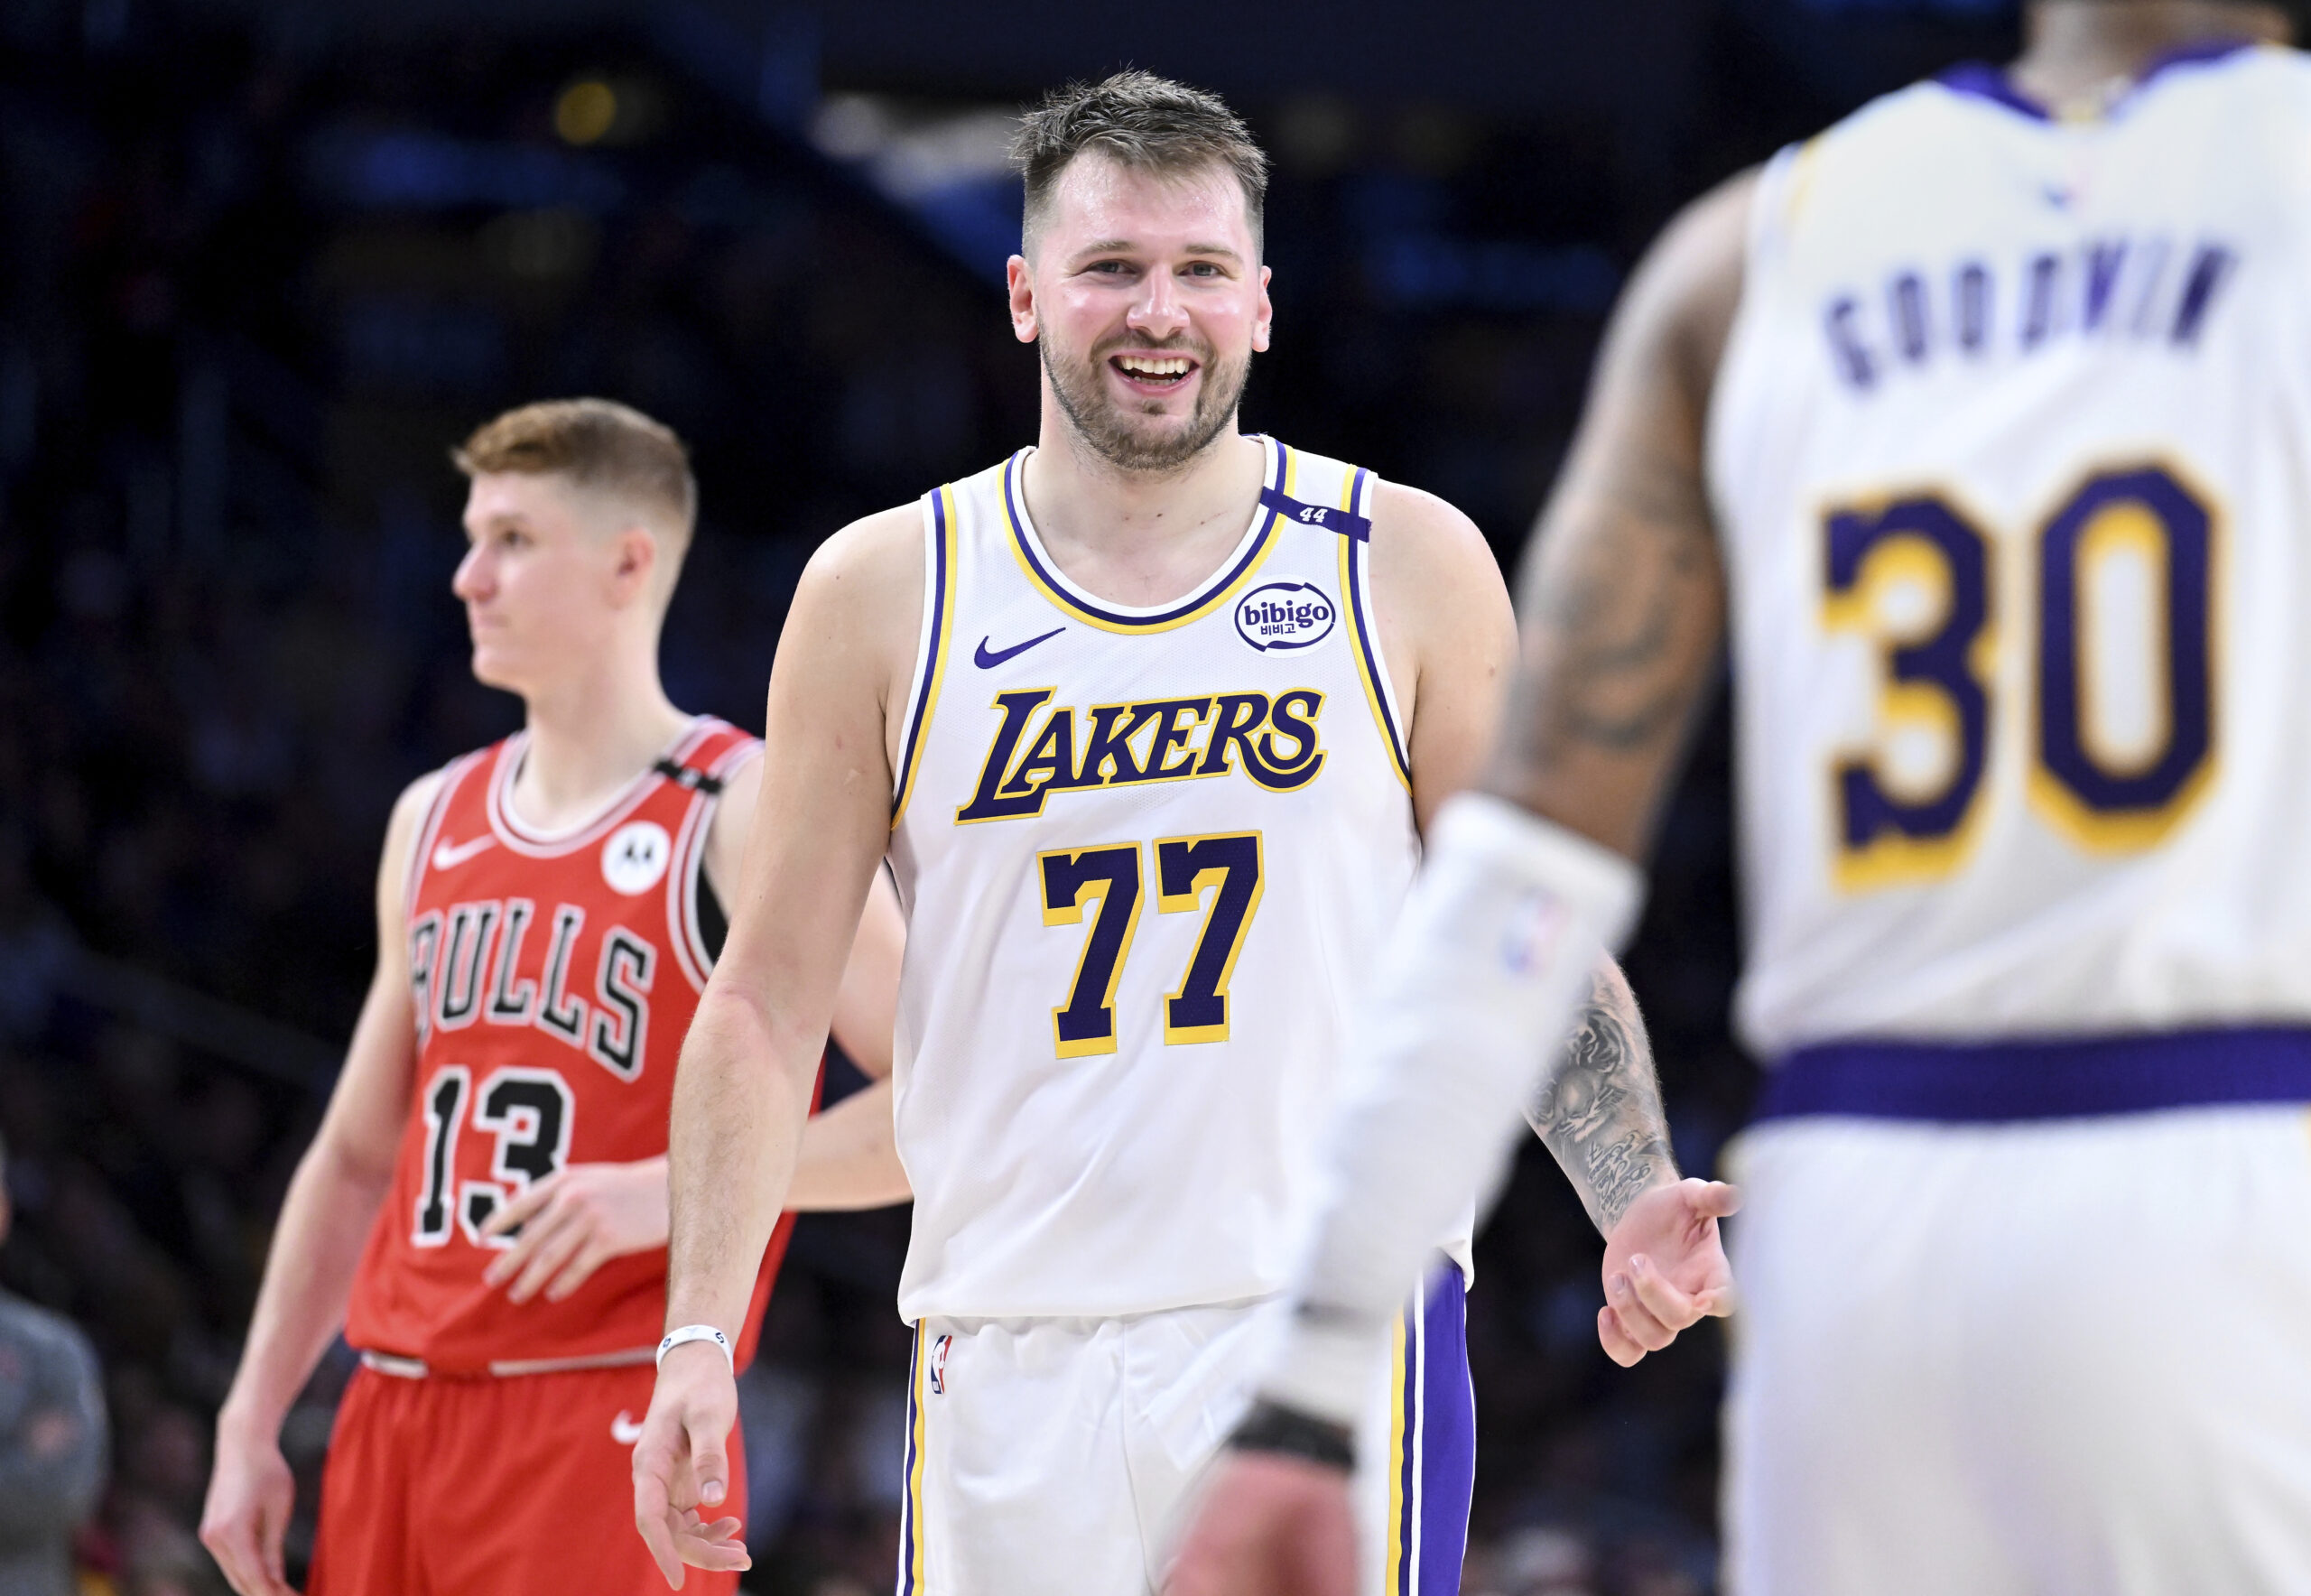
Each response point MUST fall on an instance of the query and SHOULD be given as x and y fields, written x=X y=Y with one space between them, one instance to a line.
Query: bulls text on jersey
x=465 y=967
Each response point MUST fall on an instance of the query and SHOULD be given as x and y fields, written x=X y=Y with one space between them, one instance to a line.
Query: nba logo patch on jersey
x=1284 y=616
x=635 y=859
x=941 y=1345
x=1530 y=936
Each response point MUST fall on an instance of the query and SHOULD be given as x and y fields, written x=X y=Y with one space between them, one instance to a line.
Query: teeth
x=1154 y=364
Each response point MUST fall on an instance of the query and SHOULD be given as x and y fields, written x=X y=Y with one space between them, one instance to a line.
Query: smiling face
x=1146 y=293
x=550 y=580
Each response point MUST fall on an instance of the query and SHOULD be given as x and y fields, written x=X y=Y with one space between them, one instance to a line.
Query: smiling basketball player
x=1147 y=718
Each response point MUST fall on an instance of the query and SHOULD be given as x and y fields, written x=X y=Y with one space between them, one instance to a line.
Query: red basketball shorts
x=520 y=1486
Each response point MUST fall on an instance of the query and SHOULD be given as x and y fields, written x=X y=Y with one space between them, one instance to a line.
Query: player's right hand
x=1664 y=1267
x=250 y=1494
x=682 y=1465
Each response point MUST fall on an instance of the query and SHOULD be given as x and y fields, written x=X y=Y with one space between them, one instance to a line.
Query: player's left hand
x=1664 y=1267
x=681 y=1466
x=1268 y=1526
x=574 y=1222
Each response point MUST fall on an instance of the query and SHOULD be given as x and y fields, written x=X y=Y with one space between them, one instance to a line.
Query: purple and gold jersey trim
x=1355 y=582
x=1981 y=81
x=939 y=618
x=911 y=1557
x=1257 y=545
x=2065 y=1078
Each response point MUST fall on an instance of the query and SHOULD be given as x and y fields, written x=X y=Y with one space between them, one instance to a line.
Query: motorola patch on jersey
x=634 y=859
x=1285 y=615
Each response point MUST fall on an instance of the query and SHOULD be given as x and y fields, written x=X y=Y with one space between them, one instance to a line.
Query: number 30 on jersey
x=2120 y=699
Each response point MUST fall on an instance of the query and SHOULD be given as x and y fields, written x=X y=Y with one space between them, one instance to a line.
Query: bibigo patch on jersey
x=1285 y=615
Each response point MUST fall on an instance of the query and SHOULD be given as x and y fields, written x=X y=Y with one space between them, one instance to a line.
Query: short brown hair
x=1148 y=123
x=602 y=446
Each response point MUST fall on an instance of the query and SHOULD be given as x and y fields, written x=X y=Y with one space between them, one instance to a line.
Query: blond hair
x=603 y=448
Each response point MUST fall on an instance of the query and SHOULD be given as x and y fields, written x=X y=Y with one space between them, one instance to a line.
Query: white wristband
x=698 y=1332
x=1467 y=1012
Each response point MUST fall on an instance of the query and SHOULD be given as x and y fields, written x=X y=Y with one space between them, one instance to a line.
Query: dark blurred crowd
x=259 y=275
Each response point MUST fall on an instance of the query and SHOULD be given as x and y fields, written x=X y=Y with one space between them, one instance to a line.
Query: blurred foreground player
x=1990 y=409
x=548 y=910
x=1147 y=718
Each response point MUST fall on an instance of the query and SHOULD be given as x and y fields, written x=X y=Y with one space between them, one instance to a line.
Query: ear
x=633 y=559
x=1265 y=322
x=1021 y=285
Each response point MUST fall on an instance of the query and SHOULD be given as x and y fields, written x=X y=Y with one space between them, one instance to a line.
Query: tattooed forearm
x=1619 y=628
x=1599 y=1112
x=1624 y=597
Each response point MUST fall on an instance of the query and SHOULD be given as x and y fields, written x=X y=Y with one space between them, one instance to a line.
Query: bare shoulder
x=874 y=563
x=1715 y=226
x=1686 y=290
x=402 y=829
x=1442 y=609
x=1426 y=553
x=859 y=603
x=407 y=819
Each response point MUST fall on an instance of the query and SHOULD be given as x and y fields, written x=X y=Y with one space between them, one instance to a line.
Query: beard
x=1107 y=428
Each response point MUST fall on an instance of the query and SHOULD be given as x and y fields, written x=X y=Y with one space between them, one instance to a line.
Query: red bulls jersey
x=553 y=978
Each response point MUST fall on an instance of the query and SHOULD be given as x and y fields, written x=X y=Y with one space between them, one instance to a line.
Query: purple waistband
x=2070 y=1078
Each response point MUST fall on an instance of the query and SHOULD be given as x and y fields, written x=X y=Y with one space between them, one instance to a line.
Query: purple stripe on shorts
x=2055 y=1078
x=1408 y=1479
x=908 y=1507
x=1448 y=1437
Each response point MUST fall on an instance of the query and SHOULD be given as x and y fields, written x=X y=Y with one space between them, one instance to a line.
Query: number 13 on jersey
x=1226 y=866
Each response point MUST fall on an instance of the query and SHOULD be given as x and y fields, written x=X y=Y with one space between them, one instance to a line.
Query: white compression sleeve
x=1481 y=981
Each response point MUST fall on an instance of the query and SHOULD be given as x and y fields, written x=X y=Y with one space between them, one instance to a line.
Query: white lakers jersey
x=1147 y=857
x=2011 y=455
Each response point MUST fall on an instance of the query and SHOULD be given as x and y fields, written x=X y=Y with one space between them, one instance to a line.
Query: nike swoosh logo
x=625 y=1431
x=446 y=857
x=986 y=661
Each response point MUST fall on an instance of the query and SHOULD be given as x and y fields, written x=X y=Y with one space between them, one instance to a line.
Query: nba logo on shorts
x=939 y=1344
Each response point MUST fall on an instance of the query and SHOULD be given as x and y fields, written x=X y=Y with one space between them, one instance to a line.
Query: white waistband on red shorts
x=414 y=1368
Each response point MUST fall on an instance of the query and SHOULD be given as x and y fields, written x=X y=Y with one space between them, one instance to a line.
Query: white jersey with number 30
x=2011 y=455
x=1148 y=857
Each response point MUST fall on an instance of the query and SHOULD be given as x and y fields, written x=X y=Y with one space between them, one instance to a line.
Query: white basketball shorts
x=2062 y=1358
x=1054 y=1457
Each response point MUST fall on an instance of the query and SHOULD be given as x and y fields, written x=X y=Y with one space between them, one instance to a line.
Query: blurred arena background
x=264 y=262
